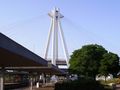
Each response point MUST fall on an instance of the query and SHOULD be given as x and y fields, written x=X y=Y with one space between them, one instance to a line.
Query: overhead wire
x=98 y=39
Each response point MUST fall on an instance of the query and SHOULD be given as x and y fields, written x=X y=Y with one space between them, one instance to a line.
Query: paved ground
x=51 y=88
x=117 y=87
x=34 y=88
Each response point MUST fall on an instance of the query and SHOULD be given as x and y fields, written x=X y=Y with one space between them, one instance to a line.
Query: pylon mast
x=56 y=28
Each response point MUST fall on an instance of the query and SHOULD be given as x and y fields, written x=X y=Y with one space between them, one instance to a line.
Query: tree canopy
x=93 y=59
x=109 y=64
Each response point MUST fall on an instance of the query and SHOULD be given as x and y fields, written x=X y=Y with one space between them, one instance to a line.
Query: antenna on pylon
x=56 y=28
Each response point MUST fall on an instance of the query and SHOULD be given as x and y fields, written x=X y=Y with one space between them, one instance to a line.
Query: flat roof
x=48 y=70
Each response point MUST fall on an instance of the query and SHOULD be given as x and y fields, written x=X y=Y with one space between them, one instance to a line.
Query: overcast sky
x=85 y=22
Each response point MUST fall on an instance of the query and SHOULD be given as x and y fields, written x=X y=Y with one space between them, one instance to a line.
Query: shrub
x=82 y=84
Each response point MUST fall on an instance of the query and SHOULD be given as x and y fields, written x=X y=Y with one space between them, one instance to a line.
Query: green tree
x=93 y=59
x=114 y=64
x=86 y=60
x=109 y=64
x=104 y=66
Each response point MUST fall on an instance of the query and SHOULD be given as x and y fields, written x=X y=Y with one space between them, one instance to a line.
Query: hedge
x=82 y=84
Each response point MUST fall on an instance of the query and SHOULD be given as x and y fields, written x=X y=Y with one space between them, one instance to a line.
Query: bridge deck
x=59 y=62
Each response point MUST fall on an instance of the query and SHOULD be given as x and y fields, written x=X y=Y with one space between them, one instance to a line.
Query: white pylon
x=56 y=28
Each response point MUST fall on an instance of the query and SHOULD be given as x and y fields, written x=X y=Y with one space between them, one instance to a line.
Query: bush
x=82 y=84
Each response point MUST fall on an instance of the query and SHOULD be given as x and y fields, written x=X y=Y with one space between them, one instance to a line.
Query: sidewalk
x=117 y=87
x=34 y=88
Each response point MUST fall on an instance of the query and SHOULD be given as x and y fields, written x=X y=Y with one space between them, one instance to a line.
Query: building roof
x=14 y=55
